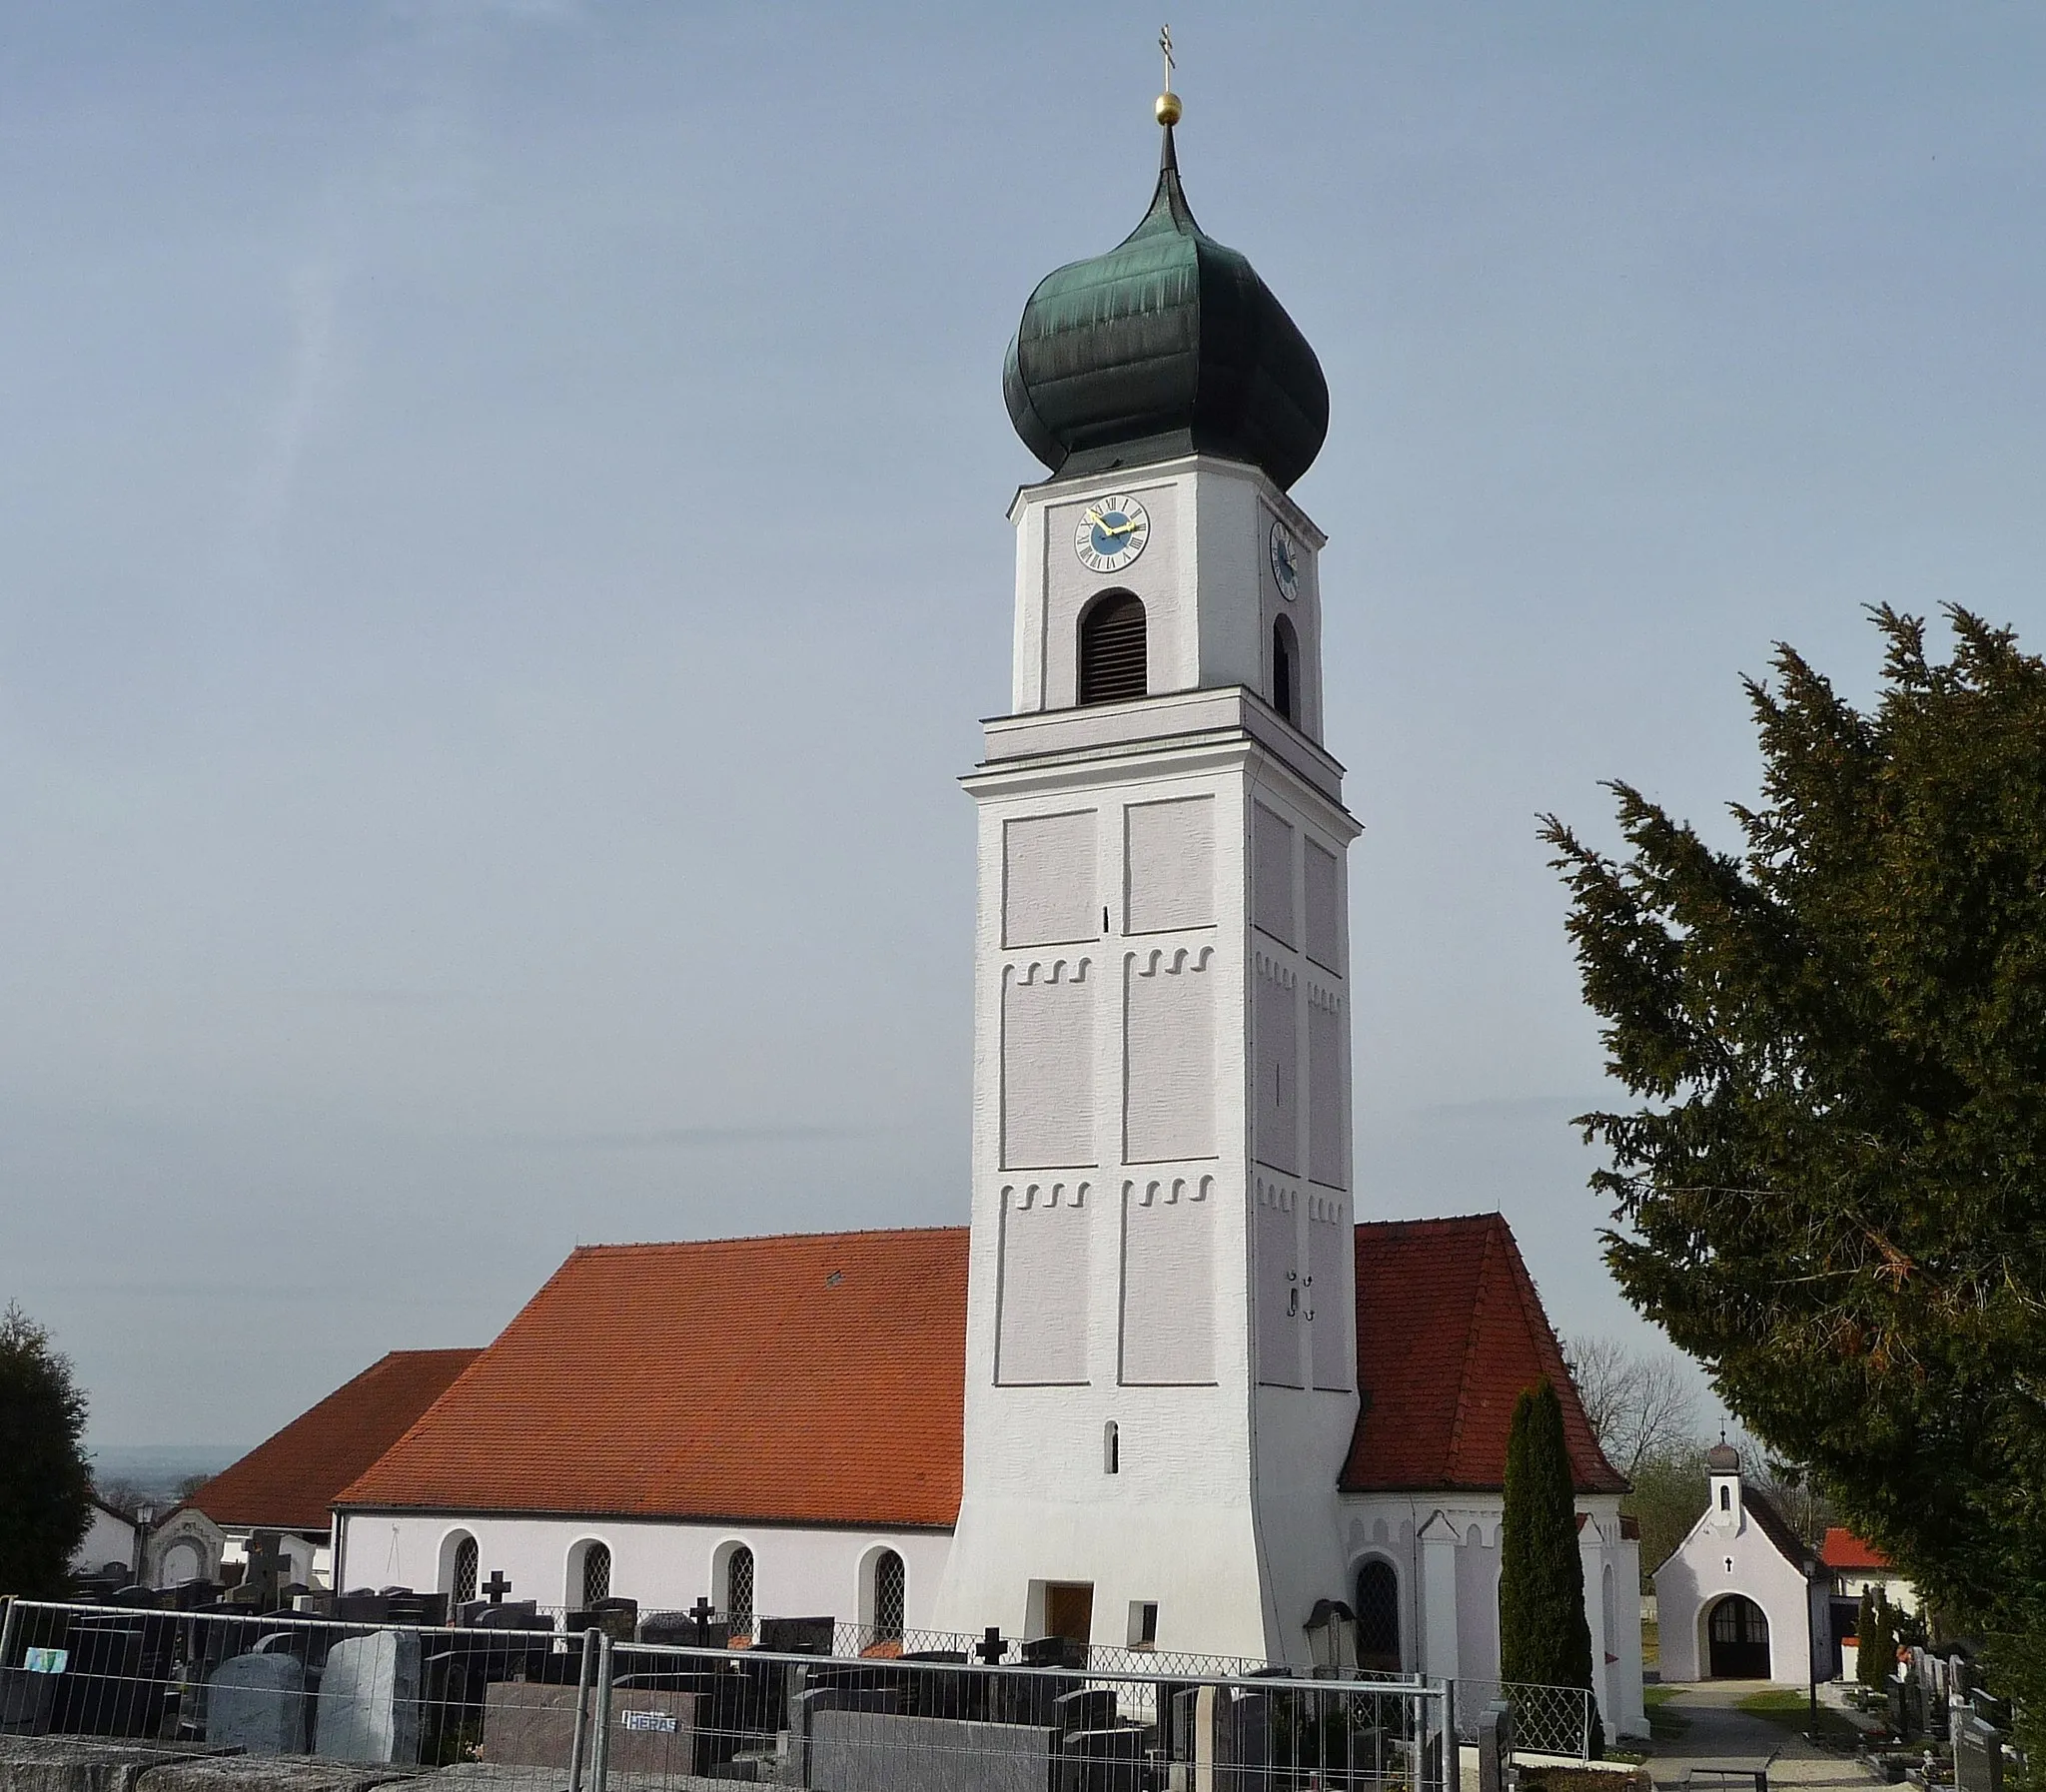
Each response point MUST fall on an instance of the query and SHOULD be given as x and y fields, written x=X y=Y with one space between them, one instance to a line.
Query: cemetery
x=373 y=1687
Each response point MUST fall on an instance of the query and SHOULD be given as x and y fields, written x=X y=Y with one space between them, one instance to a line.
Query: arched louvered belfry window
x=1286 y=670
x=1113 y=666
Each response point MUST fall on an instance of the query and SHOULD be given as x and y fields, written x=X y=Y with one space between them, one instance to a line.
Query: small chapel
x=1165 y=1390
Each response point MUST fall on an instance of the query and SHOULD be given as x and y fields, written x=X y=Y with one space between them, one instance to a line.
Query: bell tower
x=1161 y=1353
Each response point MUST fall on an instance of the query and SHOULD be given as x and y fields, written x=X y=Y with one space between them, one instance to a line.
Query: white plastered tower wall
x=1162 y=1223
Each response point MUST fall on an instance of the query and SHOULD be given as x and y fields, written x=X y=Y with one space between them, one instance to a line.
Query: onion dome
x=1722 y=1459
x=1167 y=344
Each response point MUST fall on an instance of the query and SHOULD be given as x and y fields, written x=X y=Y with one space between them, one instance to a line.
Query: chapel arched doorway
x=1738 y=1640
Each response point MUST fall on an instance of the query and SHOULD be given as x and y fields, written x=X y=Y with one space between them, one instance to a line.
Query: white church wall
x=109 y=1538
x=798 y=1572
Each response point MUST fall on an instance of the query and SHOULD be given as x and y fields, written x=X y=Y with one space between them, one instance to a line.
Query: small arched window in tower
x=1112 y=666
x=597 y=1573
x=891 y=1597
x=738 y=1590
x=461 y=1578
x=1110 y=1448
x=1286 y=670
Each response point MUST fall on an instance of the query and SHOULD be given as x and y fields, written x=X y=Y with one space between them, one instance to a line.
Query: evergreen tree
x=45 y=1481
x=1544 y=1640
x=1864 y=1634
x=1830 y=1190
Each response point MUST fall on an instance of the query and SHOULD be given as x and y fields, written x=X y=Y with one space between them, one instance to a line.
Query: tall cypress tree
x=1865 y=1638
x=1544 y=1638
x=45 y=1481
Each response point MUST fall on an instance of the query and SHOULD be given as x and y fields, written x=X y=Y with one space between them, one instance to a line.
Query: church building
x=1165 y=1391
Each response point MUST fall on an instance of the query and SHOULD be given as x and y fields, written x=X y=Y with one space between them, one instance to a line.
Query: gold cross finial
x=1168 y=107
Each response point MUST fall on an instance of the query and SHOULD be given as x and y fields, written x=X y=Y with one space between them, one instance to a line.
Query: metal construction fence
x=587 y=1712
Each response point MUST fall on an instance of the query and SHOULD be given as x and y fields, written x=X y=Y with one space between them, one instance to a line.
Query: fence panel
x=283 y=1684
x=1548 y=1720
x=913 y=1723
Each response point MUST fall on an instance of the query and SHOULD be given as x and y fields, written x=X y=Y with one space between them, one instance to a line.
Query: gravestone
x=368 y=1704
x=264 y=1573
x=617 y=1618
x=1108 y=1760
x=1089 y=1708
x=1978 y=1754
x=517 y=1614
x=257 y=1703
x=796 y=1636
x=871 y=1751
x=680 y=1629
x=1494 y=1746
x=1054 y=1651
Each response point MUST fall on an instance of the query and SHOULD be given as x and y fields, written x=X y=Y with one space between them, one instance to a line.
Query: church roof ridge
x=763 y=1238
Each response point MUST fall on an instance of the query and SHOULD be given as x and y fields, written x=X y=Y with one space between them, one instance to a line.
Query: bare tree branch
x=1640 y=1405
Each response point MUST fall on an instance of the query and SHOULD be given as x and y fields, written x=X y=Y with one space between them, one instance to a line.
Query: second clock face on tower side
x=1112 y=533
x=1285 y=562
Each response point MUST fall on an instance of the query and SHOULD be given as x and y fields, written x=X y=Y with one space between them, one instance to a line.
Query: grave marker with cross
x=496 y=1587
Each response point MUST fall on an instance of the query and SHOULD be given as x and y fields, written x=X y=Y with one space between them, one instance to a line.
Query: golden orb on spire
x=1168 y=108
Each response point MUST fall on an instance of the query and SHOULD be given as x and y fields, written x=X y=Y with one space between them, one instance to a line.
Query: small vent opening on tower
x=1113 y=647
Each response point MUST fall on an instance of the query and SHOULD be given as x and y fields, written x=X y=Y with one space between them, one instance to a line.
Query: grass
x=1787 y=1706
x=1666 y=1721
x=1652 y=1643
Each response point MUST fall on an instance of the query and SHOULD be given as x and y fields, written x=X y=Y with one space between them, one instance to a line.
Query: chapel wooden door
x=1739 y=1635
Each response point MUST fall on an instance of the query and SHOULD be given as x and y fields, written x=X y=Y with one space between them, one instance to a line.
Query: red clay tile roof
x=1844 y=1551
x=810 y=1379
x=289 y=1484
x=1450 y=1329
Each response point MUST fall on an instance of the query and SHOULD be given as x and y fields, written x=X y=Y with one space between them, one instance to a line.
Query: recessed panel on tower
x=1278 y=1290
x=1324 y=907
x=1275 y=1065
x=1048 y=1064
x=1169 y=862
x=1325 y=1160
x=1272 y=874
x=1049 y=882
x=1169 y=1075
x=1168 y=1318
x=1041 y=1334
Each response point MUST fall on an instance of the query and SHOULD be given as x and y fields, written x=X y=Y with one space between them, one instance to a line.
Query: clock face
x=1112 y=533
x=1285 y=562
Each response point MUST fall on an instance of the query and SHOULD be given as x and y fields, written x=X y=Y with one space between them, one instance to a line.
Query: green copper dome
x=1167 y=344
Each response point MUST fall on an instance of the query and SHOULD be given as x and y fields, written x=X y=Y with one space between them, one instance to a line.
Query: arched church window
x=1110 y=1448
x=738 y=1590
x=1377 y=1616
x=891 y=1597
x=1286 y=670
x=462 y=1572
x=595 y=1579
x=1113 y=649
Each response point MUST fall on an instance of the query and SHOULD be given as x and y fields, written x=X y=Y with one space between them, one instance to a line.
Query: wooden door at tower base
x=1069 y=1610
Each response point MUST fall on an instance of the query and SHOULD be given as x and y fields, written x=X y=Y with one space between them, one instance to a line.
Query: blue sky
x=501 y=556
